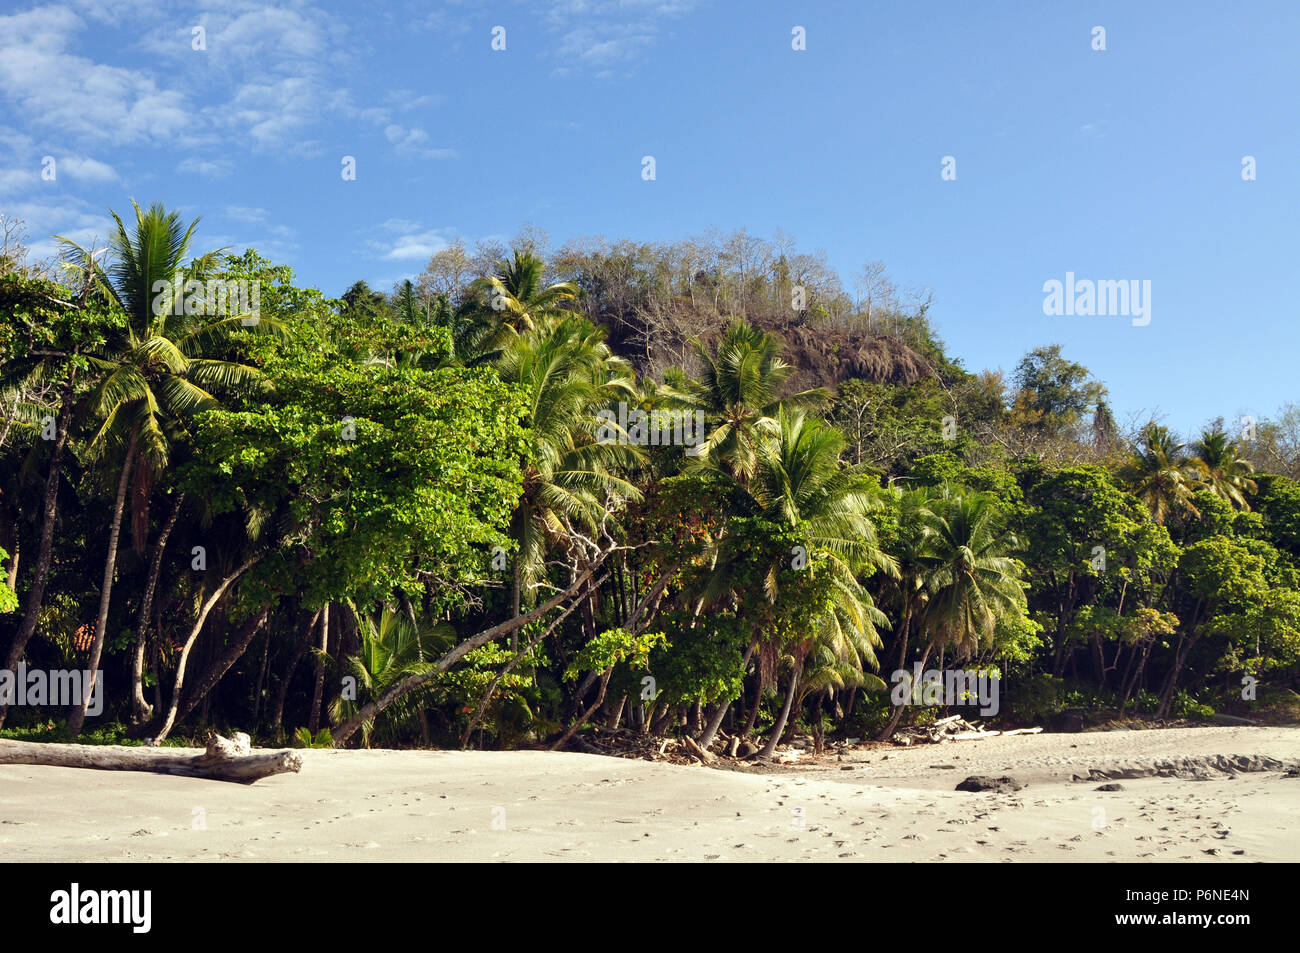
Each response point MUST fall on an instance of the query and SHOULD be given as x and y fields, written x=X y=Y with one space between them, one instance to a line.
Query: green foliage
x=1053 y=393
x=614 y=647
x=8 y=600
x=380 y=453
x=383 y=474
x=305 y=739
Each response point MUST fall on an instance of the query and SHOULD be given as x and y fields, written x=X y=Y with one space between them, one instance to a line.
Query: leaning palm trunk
x=779 y=728
x=41 y=573
x=140 y=709
x=212 y=600
x=410 y=683
x=582 y=719
x=78 y=716
x=232 y=654
x=903 y=626
x=519 y=656
x=711 y=729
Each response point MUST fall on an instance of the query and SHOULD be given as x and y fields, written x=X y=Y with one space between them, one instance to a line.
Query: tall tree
x=155 y=375
x=1160 y=476
x=1219 y=463
x=741 y=390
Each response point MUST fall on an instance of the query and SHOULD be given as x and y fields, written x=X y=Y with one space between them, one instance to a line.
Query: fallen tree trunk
x=227 y=759
x=409 y=683
x=703 y=756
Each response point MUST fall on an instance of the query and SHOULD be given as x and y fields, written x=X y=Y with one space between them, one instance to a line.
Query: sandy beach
x=878 y=804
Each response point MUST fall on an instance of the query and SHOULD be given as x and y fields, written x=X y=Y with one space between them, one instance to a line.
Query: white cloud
x=66 y=216
x=213 y=168
x=601 y=34
x=257 y=216
x=271 y=113
x=85 y=169
x=422 y=246
x=75 y=95
x=242 y=213
x=414 y=142
x=266 y=82
x=413 y=241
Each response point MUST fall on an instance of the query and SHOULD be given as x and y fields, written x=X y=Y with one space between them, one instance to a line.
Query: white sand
x=889 y=805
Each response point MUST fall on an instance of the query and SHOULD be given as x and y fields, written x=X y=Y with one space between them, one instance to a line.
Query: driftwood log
x=227 y=759
x=704 y=757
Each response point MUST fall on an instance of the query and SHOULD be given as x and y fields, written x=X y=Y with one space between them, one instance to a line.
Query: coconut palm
x=1220 y=466
x=740 y=391
x=391 y=648
x=801 y=483
x=504 y=305
x=1159 y=476
x=156 y=374
x=568 y=375
x=974 y=582
x=835 y=663
x=957 y=579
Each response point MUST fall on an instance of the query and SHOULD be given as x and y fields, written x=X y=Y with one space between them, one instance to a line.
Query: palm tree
x=1159 y=476
x=1220 y=466
x=505 y=305
x=957 y=580
x=156 y=374
x=568 y=375
x=801 y=483
x=740 y=393
x=390 y=649
x=974 y=582
x=835 y=663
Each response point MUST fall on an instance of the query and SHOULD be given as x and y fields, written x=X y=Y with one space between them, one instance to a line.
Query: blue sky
x=1117 y=164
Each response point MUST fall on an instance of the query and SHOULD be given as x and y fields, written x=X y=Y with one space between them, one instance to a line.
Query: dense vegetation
x=407 y=518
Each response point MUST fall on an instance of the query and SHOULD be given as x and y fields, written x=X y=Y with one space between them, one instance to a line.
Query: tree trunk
x=1098 y=661
x=225 y=759
x=277 y=720
x=616 y=716
x=78 y=715
x=711 y=729
x=313 y=716
x=223 y=663
x=600 y=700
x=212 y=600
x=779 y=728
x=140 y=709
x=1130 y=683
x=1180 y=658
x=411 y=682
x=904 y=625
x=261 y=680
x=41 y=574
x=753 y=711
x=13 y=567
x=519 y=656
